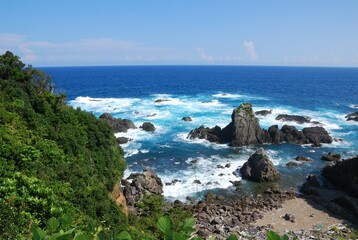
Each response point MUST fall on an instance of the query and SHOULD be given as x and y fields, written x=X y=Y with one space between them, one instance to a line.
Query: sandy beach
x=307 y=215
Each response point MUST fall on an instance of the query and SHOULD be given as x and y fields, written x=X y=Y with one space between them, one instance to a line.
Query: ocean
x=208 y=95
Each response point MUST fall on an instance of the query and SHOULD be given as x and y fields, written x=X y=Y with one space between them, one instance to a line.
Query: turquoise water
x=208 y=94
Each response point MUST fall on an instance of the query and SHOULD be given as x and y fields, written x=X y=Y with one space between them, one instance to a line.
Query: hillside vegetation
x=55 y=160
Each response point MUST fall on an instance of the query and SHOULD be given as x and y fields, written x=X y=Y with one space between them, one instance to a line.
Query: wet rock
x=292 y=164
x=331 y=157
x=293 y=118
x=161 y=100
x=263 y=112
x=196 y=181
x=317 y=135
x=117 y=124
x=227 y=165
x=303 y=159
x=259 y=168
x=187 y=119
x=148 y=127
x=122 y=140
x=210 y=134
x=352 y=117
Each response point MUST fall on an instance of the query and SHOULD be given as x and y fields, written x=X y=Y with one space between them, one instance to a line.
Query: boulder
x=293 y=118
x=344 y=174
x=316 y=135
x=303 y=159
x=263 y=112
x=138 y=184
x=187 y=119
x=259 y=168
x=292 y=135
x=118 y=124
x=352 y=117
x=331 y=157
x=148 y=127
x=292 y=164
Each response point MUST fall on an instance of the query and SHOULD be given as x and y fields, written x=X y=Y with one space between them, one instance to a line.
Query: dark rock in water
x=162 y=100
x=122 y=140
x=259 y=168
x=352 y=117
x=148 y=127
x=303 y=159
x=118 y=124
x=263 y=112
x=292 y=164
x=275 y=135
x=331 y=157
x=344 y=174
x=187 y=119
x=210 y=134
x=138 y=184
x=236 y=183
x=317 y=135
x=292 y=135
x=293 y=118
x=197 y=181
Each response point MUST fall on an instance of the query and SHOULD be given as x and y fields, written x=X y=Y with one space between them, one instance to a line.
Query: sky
x=181 y=32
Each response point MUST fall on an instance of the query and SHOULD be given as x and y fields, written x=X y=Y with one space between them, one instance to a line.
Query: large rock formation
x=244 y=129
x=259 y=168
x=118 y=124
x=137 y=184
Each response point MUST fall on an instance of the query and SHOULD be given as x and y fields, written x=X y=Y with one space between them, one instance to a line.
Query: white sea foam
x=354 y=106
x=205 y=170
x=227 y=95
x=182 y=137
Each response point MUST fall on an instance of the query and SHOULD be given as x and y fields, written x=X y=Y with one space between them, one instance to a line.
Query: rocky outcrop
x=259 y=168
x=187 y=119
x=344 y=174
x=161 y=100
x=352 y=117
x=244 y=129
x=331 y=157
x=263 y=113
x=137 y=184
x=148 y=127
x=118 y=124
x=293 y=118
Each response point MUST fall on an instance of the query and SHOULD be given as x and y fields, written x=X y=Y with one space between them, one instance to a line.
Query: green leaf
x=66 y=221
x=82 y=236
x=124 y=235
x=101 y=235
x=273 y=236
x=232 y=237
x=52 y=224
x=165 y=225
x=189 y=223
x=38 y=234
x=284 y=237
x=178 y=236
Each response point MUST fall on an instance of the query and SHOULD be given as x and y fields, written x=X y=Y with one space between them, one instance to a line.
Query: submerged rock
x=331 y=157
x=352 y=117
x=148 y=127
x=118 y=124
x=259 y=168
x=187 y=119
x=263 y=112
x=293 y=118
x=162 y=100
x=122 y=140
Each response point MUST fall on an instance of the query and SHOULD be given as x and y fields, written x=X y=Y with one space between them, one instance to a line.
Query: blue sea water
x=208 y=95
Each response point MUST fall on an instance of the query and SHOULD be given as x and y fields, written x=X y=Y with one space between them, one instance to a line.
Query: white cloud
x=100 y=51
x=250 y=50
x=203 y=56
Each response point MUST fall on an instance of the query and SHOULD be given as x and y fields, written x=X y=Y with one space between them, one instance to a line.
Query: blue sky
x=229 y=32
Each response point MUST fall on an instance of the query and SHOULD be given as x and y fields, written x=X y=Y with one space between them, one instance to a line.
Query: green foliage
x=247 y=107
x=54 y=159
x=271 y=235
